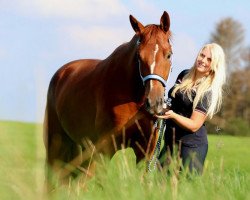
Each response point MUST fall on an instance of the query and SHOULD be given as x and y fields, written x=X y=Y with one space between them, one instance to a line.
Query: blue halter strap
x=153 y=76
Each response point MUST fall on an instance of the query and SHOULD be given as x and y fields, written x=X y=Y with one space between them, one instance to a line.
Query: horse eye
x=138 y=42
x=169 y=55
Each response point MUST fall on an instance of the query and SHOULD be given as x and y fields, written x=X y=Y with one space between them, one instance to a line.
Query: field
x=226 y=174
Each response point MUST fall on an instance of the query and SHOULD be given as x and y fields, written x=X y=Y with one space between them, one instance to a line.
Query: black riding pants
x=194 y=157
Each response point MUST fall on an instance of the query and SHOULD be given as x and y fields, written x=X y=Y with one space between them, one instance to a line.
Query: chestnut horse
x=108 y=104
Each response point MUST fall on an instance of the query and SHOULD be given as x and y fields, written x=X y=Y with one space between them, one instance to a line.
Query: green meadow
x=22 y=154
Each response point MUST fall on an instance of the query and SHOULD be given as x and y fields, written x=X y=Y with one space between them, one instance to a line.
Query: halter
x=152 y=76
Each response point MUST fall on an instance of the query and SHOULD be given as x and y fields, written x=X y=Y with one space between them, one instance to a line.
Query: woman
x=196 y=95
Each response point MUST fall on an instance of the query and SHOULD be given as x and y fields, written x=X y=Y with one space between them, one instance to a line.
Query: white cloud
x=84 y=9
x=146 y=6
x=96 y=38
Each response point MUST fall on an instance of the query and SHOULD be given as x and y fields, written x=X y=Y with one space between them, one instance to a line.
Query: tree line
x=234 y=117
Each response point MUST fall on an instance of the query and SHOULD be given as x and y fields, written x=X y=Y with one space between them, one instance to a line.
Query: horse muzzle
x=154 y=106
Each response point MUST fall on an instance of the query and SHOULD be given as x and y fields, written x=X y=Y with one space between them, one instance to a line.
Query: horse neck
x=124 y=60
x=123 y=69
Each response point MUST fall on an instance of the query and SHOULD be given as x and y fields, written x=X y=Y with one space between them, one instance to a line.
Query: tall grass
x=22 y=160
x=121 y=178
x=226 y=173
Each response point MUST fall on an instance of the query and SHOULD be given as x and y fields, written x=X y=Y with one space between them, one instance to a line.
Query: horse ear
x=136 y=25
x=165 y=22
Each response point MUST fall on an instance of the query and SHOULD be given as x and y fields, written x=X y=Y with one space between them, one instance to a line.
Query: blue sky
x=39 y=36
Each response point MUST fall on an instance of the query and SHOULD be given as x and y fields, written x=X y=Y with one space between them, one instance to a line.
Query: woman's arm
x=192 y=124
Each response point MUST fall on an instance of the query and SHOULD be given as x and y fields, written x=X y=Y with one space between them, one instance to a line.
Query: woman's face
x=203 y=62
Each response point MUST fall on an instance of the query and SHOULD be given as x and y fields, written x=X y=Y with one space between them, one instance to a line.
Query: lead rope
x=160 y=126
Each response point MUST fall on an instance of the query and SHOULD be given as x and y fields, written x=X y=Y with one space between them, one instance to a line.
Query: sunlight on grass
x=22 y=154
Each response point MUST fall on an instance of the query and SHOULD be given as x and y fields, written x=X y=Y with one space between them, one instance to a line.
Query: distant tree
x=230 y=34
x=246 y=89
x=239 y=96
x=235 y=112
x=246 y=57
x=234 y=117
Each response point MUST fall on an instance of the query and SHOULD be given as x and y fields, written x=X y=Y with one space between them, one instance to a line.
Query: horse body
x=101 y=101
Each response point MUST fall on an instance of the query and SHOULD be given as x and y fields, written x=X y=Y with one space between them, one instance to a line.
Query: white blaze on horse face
x=152 y=66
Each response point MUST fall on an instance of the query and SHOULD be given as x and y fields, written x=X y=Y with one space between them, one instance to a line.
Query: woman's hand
x=191 y=124
x=167 y=115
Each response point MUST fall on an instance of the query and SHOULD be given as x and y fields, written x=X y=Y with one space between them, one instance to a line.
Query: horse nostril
x=159 y=103
x=147 y=103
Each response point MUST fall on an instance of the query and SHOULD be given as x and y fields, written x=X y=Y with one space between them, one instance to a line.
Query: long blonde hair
x=212 y=83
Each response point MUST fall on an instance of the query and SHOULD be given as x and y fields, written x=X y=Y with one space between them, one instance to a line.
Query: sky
x=37 y=37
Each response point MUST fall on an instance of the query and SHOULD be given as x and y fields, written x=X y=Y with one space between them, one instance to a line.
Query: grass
x=229 y=152
x=226 y=174
x=22 y=158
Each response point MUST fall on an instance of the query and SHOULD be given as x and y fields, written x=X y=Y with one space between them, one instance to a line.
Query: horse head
x=154 y=57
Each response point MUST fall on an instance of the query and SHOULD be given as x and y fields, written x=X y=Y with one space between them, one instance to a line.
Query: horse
x=101 y=106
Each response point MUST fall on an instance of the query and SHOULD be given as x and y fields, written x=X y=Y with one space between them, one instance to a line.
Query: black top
x=183 y=106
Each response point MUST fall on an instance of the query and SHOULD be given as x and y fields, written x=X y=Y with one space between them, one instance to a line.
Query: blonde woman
x=196 y=96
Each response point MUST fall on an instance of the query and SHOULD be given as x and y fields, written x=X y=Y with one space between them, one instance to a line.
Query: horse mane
x=151 y=32
x=124 y=48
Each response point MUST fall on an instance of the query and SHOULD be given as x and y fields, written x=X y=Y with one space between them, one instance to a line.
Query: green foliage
x=237 y=126
x=231 y=126
x=226 y=173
